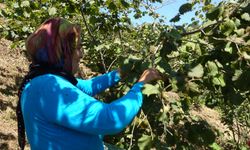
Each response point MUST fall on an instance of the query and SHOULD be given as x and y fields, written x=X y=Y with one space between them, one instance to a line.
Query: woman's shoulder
x=51 y=79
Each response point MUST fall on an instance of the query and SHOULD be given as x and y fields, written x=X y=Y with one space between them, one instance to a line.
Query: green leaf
x=228 y=48
x=245 y=16
x=176 y=18
x=190 y=46
x=175 y=34
x=215 y=13
x=167 y=48
x=193 y=87
x=245 y=55
x=219 y=80
x=117 y=41
x=240 y=32
x=144 y=142
x=99 y=47
x=177 y=117
x=75 y=1
x=25 y=4
x=244 y=148
x=163 y=66
x=227 y=27
x=185 y=8
x=197 y=71
x=237 y=74
x=26 y=15
x=206 y=2
x=163 y=116
x=215 y=146
x=150 y=89
x=125 y=4
x=52 y=11
x=241 y=79
x=15 y=5
x=25 y=28
x=237 y=22
x=111 y=5
x=212 y=68
x=137 y=15
x=131 y=65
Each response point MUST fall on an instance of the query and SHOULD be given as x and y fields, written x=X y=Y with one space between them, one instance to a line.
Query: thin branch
x=238 y=49
x=201 y=29
x=120 y=36
x=112 y=63
x=231 y=39
x=153 y=57
x=153 y=9
x=87 y=26
x=131 y=140
x=103 y=62
x=93 y=39
x=121 y=40
x=164 y=4
x=238 y=130
x=164 y=112
x=205 y=44
x=146 y=118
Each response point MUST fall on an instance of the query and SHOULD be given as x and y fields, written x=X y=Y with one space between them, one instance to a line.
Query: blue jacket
x=61 y=116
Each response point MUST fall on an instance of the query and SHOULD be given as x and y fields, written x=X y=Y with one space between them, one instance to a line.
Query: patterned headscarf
x=53 y=43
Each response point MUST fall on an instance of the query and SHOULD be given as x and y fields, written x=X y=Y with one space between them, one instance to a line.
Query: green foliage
x=206 y=63
x=197 y=71
x=245 y=16
x=215 y=146
x=145 y=142
x=176 y=18
x=215 y=13
x=227 y=27
x=185 y=8
x=150 y=89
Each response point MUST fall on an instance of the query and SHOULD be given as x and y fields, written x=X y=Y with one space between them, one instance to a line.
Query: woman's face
x=77 y=55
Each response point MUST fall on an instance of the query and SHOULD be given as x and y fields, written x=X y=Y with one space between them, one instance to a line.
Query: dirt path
x=12 y=67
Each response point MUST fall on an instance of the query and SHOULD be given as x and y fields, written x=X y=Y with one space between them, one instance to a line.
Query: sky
x=169 y=10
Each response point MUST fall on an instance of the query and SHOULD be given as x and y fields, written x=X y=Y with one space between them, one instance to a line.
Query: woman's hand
x=150 y=75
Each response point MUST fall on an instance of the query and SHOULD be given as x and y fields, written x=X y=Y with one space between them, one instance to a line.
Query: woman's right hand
x=150 y=75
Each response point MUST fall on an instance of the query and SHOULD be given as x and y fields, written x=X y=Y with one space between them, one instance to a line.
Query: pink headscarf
x=53 y=43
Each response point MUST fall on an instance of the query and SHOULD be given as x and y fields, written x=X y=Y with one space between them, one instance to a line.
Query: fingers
x=150 y=75
x=155 y=73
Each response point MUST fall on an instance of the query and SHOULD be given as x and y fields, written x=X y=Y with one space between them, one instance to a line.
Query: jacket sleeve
x=98 y=84
x=81 y=112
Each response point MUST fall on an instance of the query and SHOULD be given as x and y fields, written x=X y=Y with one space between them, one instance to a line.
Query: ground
x=13 y=67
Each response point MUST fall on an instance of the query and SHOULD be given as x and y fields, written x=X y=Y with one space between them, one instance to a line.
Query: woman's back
x=43 y=100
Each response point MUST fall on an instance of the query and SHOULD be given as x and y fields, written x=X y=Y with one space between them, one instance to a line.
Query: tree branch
x=112 y=63
x=87 y=26
x=201 y=29
x=210 y=47
x=103 y=62
x=131 y=140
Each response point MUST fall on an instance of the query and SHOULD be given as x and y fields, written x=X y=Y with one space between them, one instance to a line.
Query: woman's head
x=55 y=43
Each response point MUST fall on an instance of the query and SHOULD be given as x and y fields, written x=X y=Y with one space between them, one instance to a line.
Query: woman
x=59 y=111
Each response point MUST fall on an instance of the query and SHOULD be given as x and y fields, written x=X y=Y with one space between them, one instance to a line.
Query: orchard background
x=203 y=101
